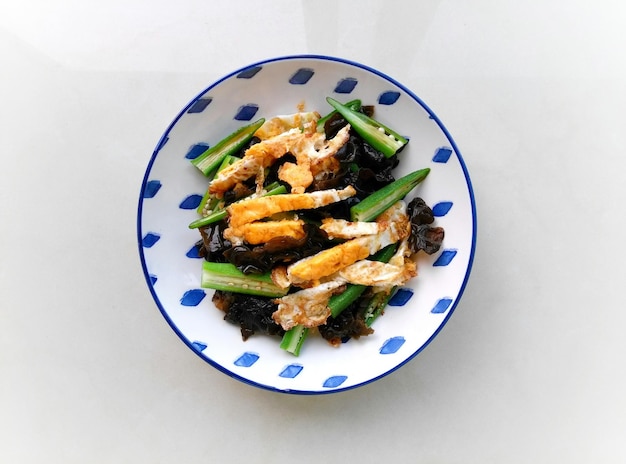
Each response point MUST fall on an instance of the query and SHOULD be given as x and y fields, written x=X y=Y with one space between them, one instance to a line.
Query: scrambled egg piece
x=298 y=176
x=279 y=276
x=259 y=156
x=283 y=123
x=314 y=158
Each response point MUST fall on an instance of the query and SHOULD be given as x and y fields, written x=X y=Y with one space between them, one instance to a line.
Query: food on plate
x=304 y=226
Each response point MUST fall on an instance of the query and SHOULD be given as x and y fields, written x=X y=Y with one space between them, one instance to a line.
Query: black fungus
x=423 y=236
x=253 y=314
x=333 y=125
x=350 y=323
x=364 y=167
x=272 y=173
x=214 y=243
x=420 y=212
x=337 y=121
x=427 y=238
x=253 y=141
x=239 y=191
x=348 y=151
x=367 y=181
x=332 y=181
x=337 y=210
x=368 y=110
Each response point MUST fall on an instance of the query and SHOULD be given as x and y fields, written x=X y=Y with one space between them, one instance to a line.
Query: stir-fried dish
x=304 y=227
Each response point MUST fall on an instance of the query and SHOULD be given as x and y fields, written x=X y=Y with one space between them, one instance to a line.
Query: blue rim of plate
x=432 y=115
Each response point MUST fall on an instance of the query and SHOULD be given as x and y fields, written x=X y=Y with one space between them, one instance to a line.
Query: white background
x=530 y=368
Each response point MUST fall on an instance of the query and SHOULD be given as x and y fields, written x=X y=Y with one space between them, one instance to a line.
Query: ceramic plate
x=172 y=189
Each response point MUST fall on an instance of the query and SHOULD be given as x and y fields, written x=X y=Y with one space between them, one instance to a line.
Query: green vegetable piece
x=293 y=339
x=211 y=158
x=341 y=301
x=354 y=105
x=226 y=277
x=222 y=214
x=379 y=136
x=377 y=305
x=378 y=202
x=216 y=216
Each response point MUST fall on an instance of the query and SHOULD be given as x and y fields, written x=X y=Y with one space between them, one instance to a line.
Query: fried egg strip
x=395 y=227
x=308 y=307
x=340 y=228
x=282 y=123
x=377 y=274
x=250 y=210
x=258 y=232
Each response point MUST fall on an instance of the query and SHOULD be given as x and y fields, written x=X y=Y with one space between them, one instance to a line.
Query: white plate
x=172 y=187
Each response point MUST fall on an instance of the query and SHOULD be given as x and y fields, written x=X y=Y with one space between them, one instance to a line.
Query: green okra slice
x=354 y=105
x=379 y=136
x=293 y=339
x=378 y=202
x=377 y=305
x=226 y=277
x=212 y=157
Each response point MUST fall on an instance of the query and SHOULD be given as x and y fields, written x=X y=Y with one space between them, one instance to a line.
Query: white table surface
x=530 y=368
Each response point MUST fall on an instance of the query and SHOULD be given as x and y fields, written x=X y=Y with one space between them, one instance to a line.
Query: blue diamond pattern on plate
x=392 y=345
x=192 y=297
x=246 y=112
x=196 y=150
x=445 y=257
x=199 y=346
x=194 y=252
x=151 y=189
x=150 y=239
x=291 y=371
x=247 y=359
x=301 y=76
x=442 y=208
x=334 y=381
x=441 y=306
x=249 y=73
x=153 y=279
x=191 y=202
x=346 y=85
x=401 y=297
x=442 y=155
x=388 y=98
x=199 y=105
